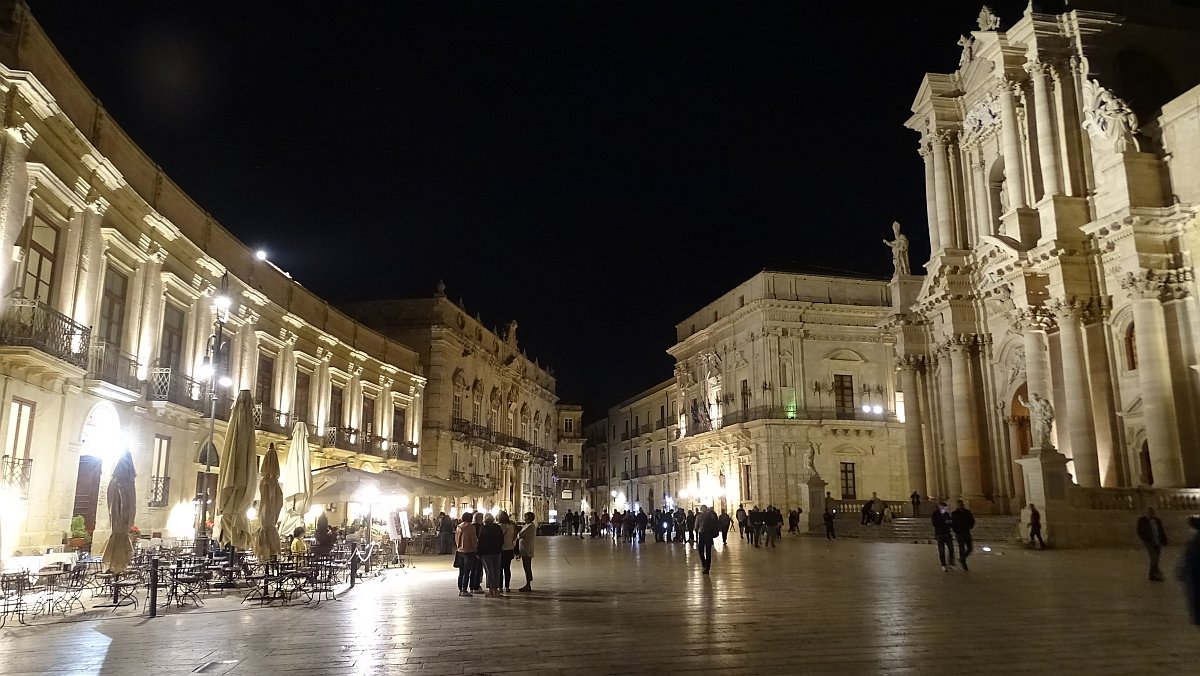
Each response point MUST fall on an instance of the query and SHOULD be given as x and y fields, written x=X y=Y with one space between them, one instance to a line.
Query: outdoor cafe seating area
x=178 y=578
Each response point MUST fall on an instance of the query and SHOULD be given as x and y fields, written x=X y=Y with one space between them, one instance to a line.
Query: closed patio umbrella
x=122 y=508
x=297 y=480
x=270 y=501
x=239 y=475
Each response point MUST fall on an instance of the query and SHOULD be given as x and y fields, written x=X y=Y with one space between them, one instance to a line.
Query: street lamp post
x=213 y=372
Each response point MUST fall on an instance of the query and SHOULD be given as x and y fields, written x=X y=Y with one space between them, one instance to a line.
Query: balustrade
x=31 y=323
x=167 y=385
x=107 y=363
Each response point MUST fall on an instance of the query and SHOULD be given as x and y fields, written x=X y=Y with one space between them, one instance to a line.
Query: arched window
x=1131 y=360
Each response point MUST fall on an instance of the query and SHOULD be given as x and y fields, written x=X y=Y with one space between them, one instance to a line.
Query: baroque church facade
x=1062 y=182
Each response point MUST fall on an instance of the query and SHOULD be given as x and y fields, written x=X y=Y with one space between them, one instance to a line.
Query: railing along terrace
x=167 y=385
x=855 y=506
x=811 y=413
x=107 y=363
x=31 y=323
x=645 y=429
x=343 y=438
x=15 y=472
x=401 y=450
x=456 y=475
x=268 y=419
x=660 y=424
x=1136 y=499
x=641 y=472
x=160 y=487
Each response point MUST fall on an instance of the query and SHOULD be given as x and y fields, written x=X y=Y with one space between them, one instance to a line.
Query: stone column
x=518 y=474
x=1047 y=146
x=1014 y=181
x=352 y=404
x=14 y=196
x=945 y=199
x=983 y=220
x=1081 y=428
x=945 y=395
x=966 y=424
x=931 y=205
x=1032 y=323
x=1015 y=438
x=914 y=449
x=1154 y=376
x=91 y=264
x=134 y=311
x=151 y=314
x=928 y=436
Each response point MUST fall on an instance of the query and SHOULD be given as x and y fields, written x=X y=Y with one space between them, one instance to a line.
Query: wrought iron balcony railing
x=15 y=472
x=31 y=323
x=268 y=419
x=107 y=363
x=160 y=489
x=167 y=385
x=344 y=438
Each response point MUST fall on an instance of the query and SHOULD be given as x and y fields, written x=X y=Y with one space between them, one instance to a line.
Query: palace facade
x=491 y=417
x=783 y=386
x=1062 y=184
x=108 y=333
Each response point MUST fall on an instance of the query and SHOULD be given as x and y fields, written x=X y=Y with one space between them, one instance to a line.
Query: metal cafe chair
x=13 y=587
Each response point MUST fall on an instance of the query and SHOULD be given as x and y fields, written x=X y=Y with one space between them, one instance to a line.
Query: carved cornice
x=1158 y=285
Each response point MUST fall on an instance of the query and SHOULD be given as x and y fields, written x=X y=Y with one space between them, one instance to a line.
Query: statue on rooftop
x=899 y=247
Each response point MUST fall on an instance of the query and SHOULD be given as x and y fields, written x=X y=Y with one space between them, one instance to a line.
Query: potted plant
x=78 y=532
x=135 y=533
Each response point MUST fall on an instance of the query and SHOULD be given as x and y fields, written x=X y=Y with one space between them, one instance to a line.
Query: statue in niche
x=899 y=247
x=1041 y=418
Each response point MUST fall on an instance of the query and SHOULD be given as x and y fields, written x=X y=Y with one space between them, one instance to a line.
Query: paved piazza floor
x=808 y=607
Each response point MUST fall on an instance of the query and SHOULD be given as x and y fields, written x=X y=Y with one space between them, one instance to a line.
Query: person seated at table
x=299 y=546
x=324 y=535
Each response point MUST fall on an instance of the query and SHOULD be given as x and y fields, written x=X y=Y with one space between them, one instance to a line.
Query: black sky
x=598 y=171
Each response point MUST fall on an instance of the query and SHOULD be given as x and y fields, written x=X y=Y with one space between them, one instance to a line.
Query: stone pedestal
x=812 y=499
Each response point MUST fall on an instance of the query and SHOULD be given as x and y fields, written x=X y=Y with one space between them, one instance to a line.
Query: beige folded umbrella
x=297 y=480
x=122 y=508
x=239 y=475
x=270 y=501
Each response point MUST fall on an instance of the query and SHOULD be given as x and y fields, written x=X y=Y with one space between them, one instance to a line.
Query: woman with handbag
x=466 y=542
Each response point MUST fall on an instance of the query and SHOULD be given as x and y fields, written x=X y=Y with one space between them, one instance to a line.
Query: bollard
x=154 y=587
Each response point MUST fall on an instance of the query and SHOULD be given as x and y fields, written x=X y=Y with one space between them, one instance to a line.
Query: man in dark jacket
x=942 y=532
x=1035 y=526
x=961 y=522
x=691 y=526
x=706 y=531
x=1150 y=531
x=445 y=534
x=723 y=523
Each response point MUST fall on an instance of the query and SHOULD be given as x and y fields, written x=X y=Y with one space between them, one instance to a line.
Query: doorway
x=87 y=490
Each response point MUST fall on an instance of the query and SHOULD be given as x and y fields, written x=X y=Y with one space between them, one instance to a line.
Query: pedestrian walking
x=723 y=523
x=1150 y=531
x=961 y=522
x=754 y=521
x=740 y=515
x=690 y=520
x=526 y=540
x=509 y=550
x=1035 y=526
x=915 y=499
x=827 y=517
x=466 y=543
x=942 y=533
x=706 y=530
x=1189 y=570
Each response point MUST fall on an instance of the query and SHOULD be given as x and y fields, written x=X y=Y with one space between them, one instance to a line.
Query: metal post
x=154 y=587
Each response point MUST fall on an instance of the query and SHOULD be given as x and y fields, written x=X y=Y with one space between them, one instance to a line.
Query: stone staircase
x=994 y=531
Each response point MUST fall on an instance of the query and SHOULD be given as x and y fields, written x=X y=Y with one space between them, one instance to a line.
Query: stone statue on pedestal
x=1041 y=418
x=810 y=465
x=899 y=247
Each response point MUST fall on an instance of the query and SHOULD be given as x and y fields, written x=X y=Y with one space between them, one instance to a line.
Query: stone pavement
x=809 y=607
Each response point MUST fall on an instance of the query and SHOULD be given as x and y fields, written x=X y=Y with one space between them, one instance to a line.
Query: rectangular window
x=300 y=401
x=264 y=381
x=160 y=462
x=843 y=397
x=111 y=325
x=476 y=410
x=368 y=416
x=456 y=406
x=900 y=406
x=170 y=344
x=569 y=425
x=398 y=432
x=745 y=395
x=510 y=423
x=662 y=457
x=568 y=462
x=39 y=260
x=335 y=406
x=746 y=492
x=20 y=429
x=849 y=491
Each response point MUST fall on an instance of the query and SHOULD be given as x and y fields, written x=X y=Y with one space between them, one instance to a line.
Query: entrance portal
x=87 y=490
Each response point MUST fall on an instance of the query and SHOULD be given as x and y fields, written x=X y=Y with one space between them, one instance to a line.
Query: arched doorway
x=100 y=442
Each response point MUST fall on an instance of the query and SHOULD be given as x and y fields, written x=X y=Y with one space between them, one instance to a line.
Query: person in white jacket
x=526 y=543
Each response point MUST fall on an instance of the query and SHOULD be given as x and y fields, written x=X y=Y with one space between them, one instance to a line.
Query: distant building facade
x=107 y=328
x=785 y=379
x=490 y=414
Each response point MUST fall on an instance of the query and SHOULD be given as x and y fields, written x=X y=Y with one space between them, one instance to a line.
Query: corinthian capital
x=1143 y=285
x=1037 y=68
x=1067 y=309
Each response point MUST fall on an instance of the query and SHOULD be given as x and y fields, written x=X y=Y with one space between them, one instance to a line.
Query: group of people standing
x=765 y=526
x=488 y=544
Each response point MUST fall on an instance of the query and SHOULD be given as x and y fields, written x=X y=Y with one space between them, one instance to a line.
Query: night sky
x=597 y=171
